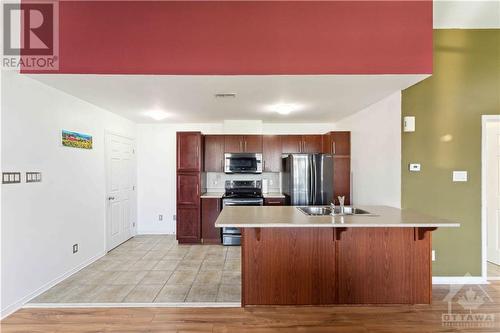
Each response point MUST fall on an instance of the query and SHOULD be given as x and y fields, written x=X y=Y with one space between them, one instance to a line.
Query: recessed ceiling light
x=283 y=108
x=156 y=114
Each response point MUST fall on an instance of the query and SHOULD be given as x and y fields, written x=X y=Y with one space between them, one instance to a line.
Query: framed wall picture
x=76 y=140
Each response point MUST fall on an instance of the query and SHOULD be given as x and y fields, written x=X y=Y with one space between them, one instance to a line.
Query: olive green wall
x=448 y=106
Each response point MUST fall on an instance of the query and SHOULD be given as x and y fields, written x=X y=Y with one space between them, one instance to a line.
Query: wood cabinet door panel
x=214 y=153
x=188 y=189
x=342 y=178
x=252 y=143
x=288 y=266
x=375 y=266
x=274 y=201
x=340 y=143
x=210 y=209
x=271 y=153
x=233 y=144
x=189 y=151
x=188 y=224
x=291 y=144
x=312 y=144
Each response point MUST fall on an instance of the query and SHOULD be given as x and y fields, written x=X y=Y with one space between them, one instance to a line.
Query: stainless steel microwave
x=242 y=163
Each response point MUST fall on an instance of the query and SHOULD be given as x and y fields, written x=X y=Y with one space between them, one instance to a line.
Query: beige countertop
x=290 y=216
x=216 y=195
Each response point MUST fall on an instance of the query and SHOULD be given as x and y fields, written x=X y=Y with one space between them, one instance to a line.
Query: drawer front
x=274 y=201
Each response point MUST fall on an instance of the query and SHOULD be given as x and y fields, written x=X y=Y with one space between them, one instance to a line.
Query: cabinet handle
x=264 y=165
x=334 y=150
x=241 y=146
x=304 y=145
x=274 y=202
x=197 y=151
x=245 y=145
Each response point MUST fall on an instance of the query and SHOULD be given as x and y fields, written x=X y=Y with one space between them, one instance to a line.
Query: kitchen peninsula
x=290 y=258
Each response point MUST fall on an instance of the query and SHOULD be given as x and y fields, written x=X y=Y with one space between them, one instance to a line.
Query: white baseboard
x=135 y=305
x=20 y=303
x=459 y=280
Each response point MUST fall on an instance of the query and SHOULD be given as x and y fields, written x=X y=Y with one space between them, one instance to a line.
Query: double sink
x=328 y=210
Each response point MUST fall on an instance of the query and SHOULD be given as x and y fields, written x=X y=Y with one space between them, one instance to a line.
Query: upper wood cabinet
x=252 y=143
x=337 y=143
x=312 y=144
x=189 y=152
x=214 y=153
x=291 y=144
x=301 y=144
x=271 y=153
x=243 y=144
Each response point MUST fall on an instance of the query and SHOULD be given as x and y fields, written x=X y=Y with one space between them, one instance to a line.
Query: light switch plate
x=414 y=167
x=33 y=177
x=409 y=124
x=11 y=177
x=460 y=176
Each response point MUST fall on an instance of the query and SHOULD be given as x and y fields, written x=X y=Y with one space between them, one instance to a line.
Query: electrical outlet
x=160 y=217
x=174 y=217
x=433 y=255
x=75 y=248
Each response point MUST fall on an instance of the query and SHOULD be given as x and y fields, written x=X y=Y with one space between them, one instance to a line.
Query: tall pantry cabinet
x=189 y=168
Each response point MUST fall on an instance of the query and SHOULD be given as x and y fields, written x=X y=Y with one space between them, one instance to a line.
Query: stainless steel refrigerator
x=307 y=179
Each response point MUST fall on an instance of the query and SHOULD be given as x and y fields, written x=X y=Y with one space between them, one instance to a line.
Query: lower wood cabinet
x=274 y=201
x=210 y=210
x=188 y=224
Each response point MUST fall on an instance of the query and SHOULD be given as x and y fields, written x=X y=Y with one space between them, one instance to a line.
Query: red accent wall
x=263 y=37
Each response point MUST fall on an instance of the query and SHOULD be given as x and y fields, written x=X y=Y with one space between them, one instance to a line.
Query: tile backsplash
x=215 y=180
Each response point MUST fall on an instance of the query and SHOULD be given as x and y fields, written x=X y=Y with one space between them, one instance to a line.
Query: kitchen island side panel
x=326 y=266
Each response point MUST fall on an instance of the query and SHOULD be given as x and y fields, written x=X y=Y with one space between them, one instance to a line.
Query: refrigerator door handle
x=315 y=182
x=312 y=182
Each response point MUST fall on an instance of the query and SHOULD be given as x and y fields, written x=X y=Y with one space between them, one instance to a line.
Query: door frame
x=133 y=230
x=485 y=119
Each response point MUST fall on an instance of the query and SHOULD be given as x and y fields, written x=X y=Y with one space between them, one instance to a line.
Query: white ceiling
x=466 y=14
x=191 y=98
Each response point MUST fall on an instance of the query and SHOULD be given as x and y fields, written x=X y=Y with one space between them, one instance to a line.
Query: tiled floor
x=149 y=269
x=493 y=270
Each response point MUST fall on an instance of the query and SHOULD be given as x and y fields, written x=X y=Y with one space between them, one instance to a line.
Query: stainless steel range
x=240 y=193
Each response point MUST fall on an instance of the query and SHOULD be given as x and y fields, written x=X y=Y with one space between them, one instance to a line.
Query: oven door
x=231 y=235
x=242 y=163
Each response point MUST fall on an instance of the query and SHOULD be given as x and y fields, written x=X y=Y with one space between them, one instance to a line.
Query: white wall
x=41 y=221
x=376 y=152
x=156 y=166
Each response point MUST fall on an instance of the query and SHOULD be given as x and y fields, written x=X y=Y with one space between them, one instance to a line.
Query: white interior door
x=493 y=191
x=120 y=189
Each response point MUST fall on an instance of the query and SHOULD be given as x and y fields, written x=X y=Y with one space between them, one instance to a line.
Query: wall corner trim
x=8 y=310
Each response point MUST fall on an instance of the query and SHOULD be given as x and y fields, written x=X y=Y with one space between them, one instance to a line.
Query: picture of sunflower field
x=76 y=140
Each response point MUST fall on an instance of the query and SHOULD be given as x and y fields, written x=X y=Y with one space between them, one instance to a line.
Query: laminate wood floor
x=472 y=301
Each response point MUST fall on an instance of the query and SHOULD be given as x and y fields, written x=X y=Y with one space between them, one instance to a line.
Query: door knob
x=111 y=198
